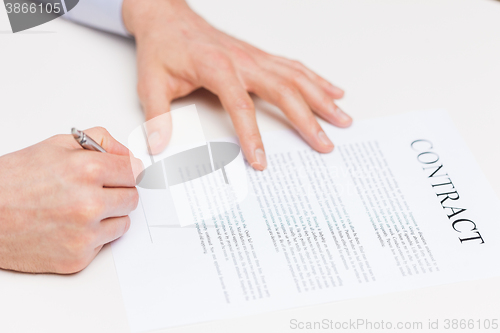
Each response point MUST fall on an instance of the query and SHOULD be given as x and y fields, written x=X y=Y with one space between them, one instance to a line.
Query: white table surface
x=391 y=56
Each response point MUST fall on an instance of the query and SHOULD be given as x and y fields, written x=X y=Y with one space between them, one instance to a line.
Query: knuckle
x=243 y=103
x=76 y=255
x=285 y=90
x=89 y=210
x=297 y=76
x=91 y=169
x=80 y=169
x=243 y=57
x=220 y=62
x=297 y=64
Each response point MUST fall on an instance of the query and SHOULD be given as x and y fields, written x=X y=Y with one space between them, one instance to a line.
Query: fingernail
x=137 y=169
x=127 y=226
x=324 y=139
x=154 y=138
x=261 y=162
x=154 y=141
x=342 y=116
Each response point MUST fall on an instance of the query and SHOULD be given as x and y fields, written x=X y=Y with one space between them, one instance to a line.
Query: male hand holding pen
x=59 y=203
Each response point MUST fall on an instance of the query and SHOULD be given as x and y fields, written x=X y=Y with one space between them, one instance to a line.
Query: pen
x=86 y=141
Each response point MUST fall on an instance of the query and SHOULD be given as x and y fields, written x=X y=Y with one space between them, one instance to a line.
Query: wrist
x=140 y=17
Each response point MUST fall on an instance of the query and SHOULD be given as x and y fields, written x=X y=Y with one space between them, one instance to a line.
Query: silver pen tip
x=76 y=133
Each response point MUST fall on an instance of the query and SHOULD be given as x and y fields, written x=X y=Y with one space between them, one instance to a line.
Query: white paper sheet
x=366 y=219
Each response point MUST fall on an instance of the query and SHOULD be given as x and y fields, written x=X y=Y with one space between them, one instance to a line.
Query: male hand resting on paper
x=178 y=52
x=59 y=204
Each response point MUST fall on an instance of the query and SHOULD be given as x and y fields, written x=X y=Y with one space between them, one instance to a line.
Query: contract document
x=399 y=204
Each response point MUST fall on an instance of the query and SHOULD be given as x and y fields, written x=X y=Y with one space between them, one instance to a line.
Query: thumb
x=155 y=99
x=112 y=146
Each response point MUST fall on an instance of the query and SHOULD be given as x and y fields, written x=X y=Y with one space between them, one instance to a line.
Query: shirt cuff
x=101 y=14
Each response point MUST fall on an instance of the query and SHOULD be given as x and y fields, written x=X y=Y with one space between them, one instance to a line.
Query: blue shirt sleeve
x=101 y=14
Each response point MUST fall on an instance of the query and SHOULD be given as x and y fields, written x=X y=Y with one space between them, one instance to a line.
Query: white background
x=391 y=56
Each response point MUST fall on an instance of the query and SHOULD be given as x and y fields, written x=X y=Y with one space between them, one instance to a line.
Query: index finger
x=105 y=140
x=112 y=170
